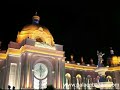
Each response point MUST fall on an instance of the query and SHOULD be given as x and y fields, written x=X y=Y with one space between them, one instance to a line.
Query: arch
x=78 y=79
x=67 y=75
x=68 y=81
x=78 y=76
x=89 y=81
x=46 y=80
x=109 y=78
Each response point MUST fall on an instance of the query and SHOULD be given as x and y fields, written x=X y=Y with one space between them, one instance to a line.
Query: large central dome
x=36 y=32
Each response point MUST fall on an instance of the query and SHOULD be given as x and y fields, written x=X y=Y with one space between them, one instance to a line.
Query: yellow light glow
x=80 y=67
x=67 y=75
x=108 y=77
x=3 y=56
x=27 y=85
x=119 y=59
x=35 y=32
x=36 y=17
x=78 y=76
x=115 y=60
x=114 y=68
x=28 y=48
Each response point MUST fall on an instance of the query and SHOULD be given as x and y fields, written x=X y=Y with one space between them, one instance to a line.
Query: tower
x=34 y=61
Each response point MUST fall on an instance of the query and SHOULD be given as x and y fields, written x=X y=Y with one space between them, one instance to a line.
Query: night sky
x=83 y=28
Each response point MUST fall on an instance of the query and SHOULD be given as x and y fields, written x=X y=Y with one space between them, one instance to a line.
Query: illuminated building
x=34 y=61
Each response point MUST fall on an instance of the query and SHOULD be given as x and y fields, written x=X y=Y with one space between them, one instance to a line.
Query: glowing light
x=3 y=56
x=115 y=60
x=29 y=48
x=78 y=76
x=12 y=75
x=119 y=59
x=81 y=67
x=34 y=33
x=27 y=84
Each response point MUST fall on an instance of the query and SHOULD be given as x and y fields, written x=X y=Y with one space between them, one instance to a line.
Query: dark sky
x=83 y=28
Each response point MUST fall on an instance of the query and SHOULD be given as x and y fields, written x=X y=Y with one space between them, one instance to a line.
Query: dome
x=35 y=32
x=35 y=27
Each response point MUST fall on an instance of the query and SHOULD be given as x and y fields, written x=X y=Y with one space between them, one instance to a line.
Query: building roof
x=36 y=32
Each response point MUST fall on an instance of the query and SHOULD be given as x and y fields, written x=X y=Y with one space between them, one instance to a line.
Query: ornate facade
x=34 y=61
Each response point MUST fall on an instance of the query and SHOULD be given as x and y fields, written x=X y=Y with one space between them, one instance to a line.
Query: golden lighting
x=114 y=68
x=115 y=60
x=80 y=67
x=28 y=48
x=67 y=75
x=108 y=77
x=36 y=17
x=36 y=33
x=78 y=76
x=119 y=59
x=3 y=56
x=27 y=85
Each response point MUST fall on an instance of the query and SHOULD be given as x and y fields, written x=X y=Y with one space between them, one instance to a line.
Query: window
x=109 y=78
x=12 y=74
x=40 y=84
x=68 y=81
x=78 y=78
x=89 y=82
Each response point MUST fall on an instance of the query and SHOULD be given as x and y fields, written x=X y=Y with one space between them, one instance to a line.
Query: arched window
x=109 y=78
x=89 y=82
x=89 y=79
x=68 y=81
x=78 y=78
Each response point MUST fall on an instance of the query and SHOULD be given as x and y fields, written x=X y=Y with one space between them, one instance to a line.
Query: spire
x=72 y=58
x=36 y=19
x=91 y=62
x=82 y=61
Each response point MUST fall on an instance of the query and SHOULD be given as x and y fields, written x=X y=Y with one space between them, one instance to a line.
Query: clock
x=40 y=70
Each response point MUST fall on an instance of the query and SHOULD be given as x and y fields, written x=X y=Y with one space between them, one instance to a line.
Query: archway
x=78 y=78
x=68 y=81
x=89 y=81
x=109 y=78
x=48 y=79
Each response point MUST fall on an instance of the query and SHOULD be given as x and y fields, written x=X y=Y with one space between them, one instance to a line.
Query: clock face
x=40 y=70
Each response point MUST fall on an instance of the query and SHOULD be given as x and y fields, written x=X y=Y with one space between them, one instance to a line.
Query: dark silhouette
x=50 y=87
x=97 y=88
x=82 y=61
x=13 y=88
x=72 y=59
x=9 y=87
x=92 y=62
